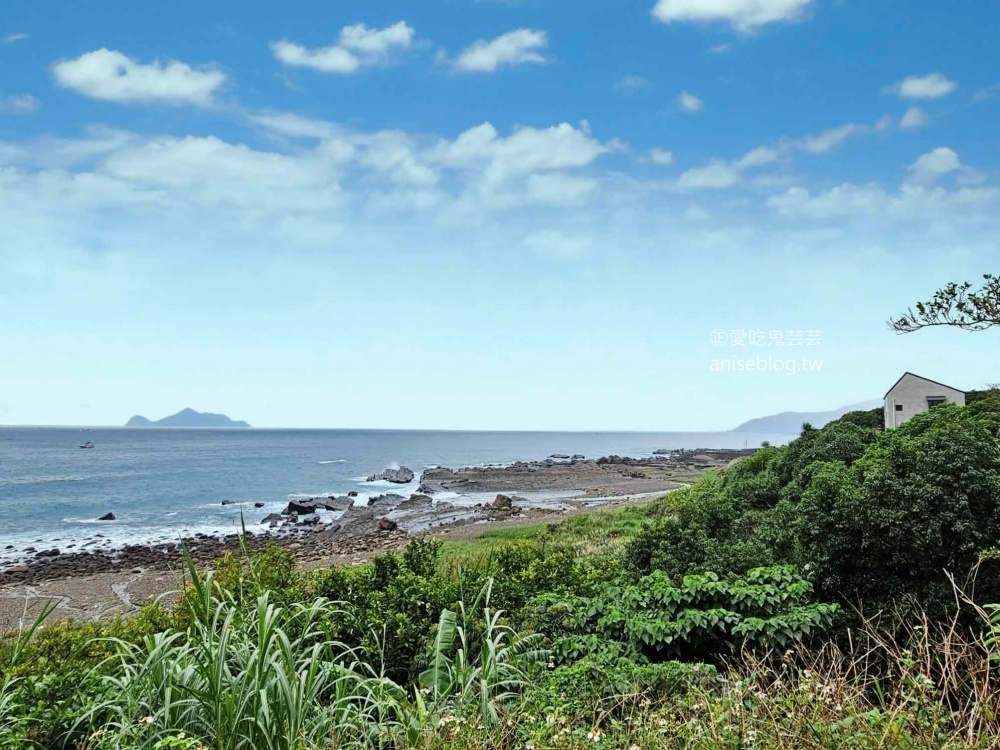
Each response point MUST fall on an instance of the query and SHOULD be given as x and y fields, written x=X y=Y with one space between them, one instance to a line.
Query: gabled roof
x=924 y=379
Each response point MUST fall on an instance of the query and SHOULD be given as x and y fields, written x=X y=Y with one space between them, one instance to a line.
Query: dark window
x=935 y=400
x=899 y=407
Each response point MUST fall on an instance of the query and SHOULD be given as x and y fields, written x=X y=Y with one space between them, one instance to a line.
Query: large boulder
x=402 y=475
x=502 y=502
x=416 y=502
x=107 y=517
x=384 y=502
x=305 y=507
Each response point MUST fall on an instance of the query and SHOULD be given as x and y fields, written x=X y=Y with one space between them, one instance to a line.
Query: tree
x=955 y=305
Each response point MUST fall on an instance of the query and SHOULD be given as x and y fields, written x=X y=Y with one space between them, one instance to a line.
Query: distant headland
x=187 y=418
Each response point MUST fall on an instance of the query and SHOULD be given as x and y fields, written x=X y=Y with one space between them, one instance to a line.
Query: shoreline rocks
x=402 y=475
x=313 y=504
x=317 y=525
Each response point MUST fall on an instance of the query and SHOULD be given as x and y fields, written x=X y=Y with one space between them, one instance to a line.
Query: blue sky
x=483 y=213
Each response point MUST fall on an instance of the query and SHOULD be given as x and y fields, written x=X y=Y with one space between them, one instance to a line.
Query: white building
x=913 y=395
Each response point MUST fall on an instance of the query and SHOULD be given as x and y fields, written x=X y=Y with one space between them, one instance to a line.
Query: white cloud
x=393 y=155
x=295 y=126
x=933 y=86
x=745 y=16
x=935 y=164
x=519 y=47
x=111 y=76
x=12 y=37
x=987 y=93
x=557 y=188
x=357 y=47
x=632 y=83
x=719 y=174
x=18 y=104
x=661 y=156
x=914 y=118
x=830 y=139
x=759 y=157
x=240 y=176
x=556 y=244
x=913 y=205
x=716 y=175
x=690 y=103
x=524 y=151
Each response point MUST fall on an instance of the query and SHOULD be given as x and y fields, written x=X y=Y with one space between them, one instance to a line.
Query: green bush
x=873 y=517
x=597 y=682
x=702 y=618
x=923 y=500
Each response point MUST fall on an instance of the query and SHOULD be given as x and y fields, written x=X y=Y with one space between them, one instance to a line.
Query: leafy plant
x=703 y=617
x=238 y=680
x=12 y=710
x=479 y=665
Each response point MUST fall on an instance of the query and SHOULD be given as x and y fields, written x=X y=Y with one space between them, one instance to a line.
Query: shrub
x=873 y=517
x=703 y=618
x=923 y=500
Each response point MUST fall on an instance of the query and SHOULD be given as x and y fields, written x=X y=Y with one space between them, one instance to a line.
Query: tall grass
x=12 y=650
x=267 y=678
x=271 y=678
x=479 y=665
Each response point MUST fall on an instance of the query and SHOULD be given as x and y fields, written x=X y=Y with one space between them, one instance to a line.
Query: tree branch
x=957 y=306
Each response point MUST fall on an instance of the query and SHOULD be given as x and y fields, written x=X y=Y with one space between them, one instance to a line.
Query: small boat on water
x=88 y=444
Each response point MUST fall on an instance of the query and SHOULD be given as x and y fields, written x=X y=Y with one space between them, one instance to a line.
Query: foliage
x=572 y=692
x=955 y=305
x=923 y=500
x=247 y=576
x=12 y=709
x=702 y=618
x=872 y=517
x=58 y=669
x=486 y=671
x=237 y=680
x=389 y=607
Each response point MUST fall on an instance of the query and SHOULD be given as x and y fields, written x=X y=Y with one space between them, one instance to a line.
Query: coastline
x=96 y=584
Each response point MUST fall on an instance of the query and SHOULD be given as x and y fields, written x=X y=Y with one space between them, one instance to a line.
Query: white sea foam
x=335 y=461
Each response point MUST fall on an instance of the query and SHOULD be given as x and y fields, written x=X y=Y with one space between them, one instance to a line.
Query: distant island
x=790 y=422
x=187 y=418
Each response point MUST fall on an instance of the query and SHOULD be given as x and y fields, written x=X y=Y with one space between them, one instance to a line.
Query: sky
x=488 y=214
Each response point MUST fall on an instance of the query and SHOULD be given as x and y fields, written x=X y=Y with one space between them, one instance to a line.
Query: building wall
x=912 y=393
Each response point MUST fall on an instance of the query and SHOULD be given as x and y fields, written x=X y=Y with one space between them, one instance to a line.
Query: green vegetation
x=801 y=598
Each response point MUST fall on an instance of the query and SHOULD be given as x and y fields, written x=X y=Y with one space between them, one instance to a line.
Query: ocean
x=164 y=484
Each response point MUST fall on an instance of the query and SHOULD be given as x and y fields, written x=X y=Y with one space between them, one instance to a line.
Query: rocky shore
x=337 y=527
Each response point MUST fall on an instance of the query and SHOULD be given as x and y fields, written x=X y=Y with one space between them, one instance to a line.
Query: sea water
x=165 y=484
